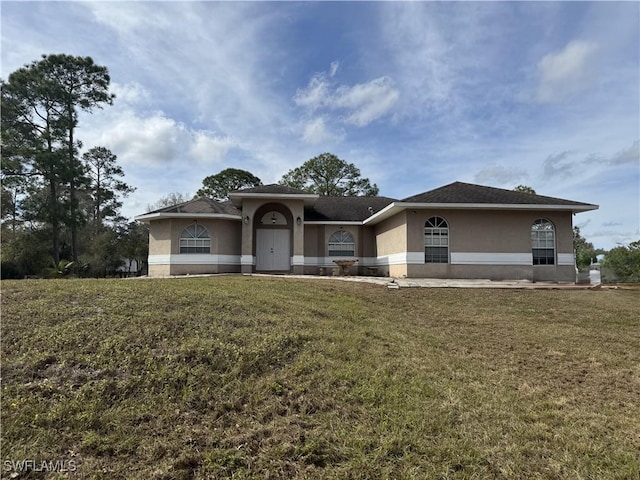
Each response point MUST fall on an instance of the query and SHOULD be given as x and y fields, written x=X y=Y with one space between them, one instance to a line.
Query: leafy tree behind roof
x=219 y=186
x=524 y=189
x=329 y=175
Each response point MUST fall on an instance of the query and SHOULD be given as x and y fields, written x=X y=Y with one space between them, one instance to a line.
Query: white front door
x=272 y=250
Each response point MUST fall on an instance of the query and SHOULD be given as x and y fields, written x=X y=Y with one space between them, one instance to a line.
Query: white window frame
x=436 y=237
x=543 y=242
x=342 y=244
x=195 y=239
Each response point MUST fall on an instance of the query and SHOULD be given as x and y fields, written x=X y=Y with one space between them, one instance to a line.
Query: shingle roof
x=273 y=188
x=201 y=205
x=459 y=192
x=348 y=209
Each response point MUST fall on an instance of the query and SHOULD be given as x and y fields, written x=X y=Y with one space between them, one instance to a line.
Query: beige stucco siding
x=391 y=243
x=160 y=237
x=313 y=235
x=499 y=231
x=164 y=247
x=228 y=234
x=501 y=236
x=391 y=235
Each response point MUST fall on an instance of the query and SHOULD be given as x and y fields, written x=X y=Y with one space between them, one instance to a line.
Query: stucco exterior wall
x=391 y=243
x=160 y=237
x=164 y=248
x=493 y=244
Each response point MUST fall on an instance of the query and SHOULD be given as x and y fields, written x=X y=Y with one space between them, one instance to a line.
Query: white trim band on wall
x=492 y=258
x=565 y=259
x=403 y=258
x=247 y=260
x=194 y=259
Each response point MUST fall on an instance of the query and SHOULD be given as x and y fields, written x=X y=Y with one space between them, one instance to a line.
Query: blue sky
x=416 y=94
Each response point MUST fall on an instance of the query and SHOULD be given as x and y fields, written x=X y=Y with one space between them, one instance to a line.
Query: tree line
x=60 y=209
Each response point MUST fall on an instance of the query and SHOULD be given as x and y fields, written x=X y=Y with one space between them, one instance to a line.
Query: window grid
x=543 y=243
x=195 y=239
x=436 y=240
x=341 y=244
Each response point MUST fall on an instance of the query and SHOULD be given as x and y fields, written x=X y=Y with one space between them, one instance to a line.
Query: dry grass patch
x=236 y=377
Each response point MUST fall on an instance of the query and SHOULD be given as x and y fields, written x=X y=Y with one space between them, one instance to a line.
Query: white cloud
x=315 y=95
x=206 y=147
x=361 y=103
x=334 y=68
x=366 y=101
x=567 y=72
x=316 y=132
x=130 y=93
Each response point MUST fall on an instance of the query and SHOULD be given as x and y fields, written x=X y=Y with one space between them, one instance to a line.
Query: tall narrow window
x=543 y=242
x=195 y=239
x=341 y=244
x=436 y=240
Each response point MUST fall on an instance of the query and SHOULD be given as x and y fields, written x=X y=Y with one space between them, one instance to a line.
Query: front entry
x=273 y=251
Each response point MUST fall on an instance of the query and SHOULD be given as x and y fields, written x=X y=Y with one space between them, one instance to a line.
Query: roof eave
x=396 y=207
x=333 y=222
x=149 y=217
x=309 y=199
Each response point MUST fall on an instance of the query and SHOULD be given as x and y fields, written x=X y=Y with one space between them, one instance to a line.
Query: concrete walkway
x=396 y=283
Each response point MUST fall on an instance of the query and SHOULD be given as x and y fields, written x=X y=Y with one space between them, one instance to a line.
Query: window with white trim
x=195 y=239
x=543 y=242
x=341 y=244
x=436 y=240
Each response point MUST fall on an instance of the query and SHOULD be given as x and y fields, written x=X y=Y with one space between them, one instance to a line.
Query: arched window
x=543 y=242
x=195 y=239
x=341 y=244
x=436 y=240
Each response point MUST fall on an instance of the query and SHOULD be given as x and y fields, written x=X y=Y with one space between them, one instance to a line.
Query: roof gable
x=200 y=205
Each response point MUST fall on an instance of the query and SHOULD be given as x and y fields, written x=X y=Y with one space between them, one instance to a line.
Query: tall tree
x=40 y=105
x=105 y=185
x=219 y=186
x=80 y=85
x=328 y=175
x=31 y=138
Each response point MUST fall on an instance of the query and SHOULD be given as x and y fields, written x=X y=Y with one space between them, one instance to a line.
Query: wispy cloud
x=359 y=104
x=567 y=72
x=316 y=132
x=500 y=175
x=629 y=155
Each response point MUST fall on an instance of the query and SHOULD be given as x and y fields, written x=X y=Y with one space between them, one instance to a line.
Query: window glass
x=341 y=244
x=195 y=239
x=543 y=242
x=436 y=240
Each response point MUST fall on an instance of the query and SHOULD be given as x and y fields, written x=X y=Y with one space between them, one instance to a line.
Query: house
x=459 y=230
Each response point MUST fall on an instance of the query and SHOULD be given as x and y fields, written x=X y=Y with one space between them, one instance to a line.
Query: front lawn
x=280 y=378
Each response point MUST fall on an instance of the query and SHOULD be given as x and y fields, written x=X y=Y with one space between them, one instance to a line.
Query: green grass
x=239 y=377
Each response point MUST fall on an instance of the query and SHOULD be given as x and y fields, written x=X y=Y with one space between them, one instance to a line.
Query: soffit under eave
x=397 y=208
